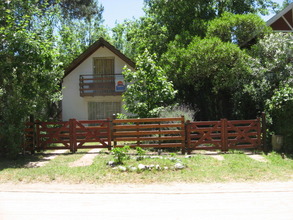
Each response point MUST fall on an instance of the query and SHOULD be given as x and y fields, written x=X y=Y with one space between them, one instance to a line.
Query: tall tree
x=149 y=89
x=30 y=70
x=208 y=75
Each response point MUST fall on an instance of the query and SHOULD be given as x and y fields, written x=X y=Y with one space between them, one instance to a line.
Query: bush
x=178 y=111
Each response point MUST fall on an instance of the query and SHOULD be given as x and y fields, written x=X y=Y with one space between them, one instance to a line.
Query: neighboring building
x=93 y=83
x=283 y=21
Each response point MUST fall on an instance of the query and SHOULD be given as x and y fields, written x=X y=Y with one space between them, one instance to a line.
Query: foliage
x=208 y=73
x=178 y=111
x=30 y=71
x=192 y=15
x=133 y=37
x=120 y=154
x=73 y=9
x=238 y=29
x=272 y=81
x=75 y=36
x=140 y=153
x=148 y=89
x=280 y=108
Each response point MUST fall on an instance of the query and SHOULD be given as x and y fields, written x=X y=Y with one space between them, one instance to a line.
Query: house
x=93 y=83
x=283 y=21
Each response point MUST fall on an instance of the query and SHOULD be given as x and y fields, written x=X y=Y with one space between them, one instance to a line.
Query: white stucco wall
x=75 y=106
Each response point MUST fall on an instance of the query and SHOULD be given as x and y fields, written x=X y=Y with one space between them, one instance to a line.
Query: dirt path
x=86 y=160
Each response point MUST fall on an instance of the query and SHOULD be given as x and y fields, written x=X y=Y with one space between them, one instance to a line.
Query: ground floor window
x=103 y=110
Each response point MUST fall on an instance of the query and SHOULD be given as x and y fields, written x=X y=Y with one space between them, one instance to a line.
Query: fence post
x=224 y=137
x=38 y=138
x=264 y=133
x=187 y=137
x=113 y=130
x=72 y=135
x=32 y=126
x=109 y=130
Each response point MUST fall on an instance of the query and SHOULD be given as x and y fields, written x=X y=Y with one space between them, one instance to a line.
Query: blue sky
x=119 y=10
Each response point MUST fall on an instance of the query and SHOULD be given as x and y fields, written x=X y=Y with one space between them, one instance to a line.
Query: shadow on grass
x=20 y=161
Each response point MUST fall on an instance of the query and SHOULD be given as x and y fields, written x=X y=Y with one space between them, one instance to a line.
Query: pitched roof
x=91 y=49
x=283 y=21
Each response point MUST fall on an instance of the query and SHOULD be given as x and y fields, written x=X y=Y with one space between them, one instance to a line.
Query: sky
x=119 y=10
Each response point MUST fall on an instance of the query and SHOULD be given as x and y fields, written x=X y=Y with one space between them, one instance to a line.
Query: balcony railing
x=94 y=85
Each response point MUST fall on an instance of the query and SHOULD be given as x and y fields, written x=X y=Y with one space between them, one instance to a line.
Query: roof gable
x=283 y=21
x=91 y=49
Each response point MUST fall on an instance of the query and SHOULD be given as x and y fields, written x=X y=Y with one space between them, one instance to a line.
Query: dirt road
x=273 y=200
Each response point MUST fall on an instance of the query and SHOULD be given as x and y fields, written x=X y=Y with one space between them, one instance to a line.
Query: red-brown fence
x=146 y=132
x=150 y=132
x=223 y=135
x=70 y=135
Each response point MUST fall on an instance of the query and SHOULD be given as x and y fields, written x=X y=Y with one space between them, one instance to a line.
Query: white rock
x=133 y=168
x=166 y=168
x=122 y=168
x=111 y=164
x=141 y=166
x=179 y=166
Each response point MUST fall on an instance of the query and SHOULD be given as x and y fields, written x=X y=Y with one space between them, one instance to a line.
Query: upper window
x=104 y=66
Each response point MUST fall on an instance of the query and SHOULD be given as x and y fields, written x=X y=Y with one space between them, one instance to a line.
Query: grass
x=235 y=167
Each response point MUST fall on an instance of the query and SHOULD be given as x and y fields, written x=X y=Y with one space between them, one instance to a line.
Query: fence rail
x=150 y=132
x=224 y=134
x=145 y=133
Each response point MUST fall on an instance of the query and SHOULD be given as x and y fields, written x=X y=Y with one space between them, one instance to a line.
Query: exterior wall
x=74 y=106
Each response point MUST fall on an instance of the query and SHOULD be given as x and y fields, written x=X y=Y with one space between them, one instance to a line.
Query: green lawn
x=199 y=168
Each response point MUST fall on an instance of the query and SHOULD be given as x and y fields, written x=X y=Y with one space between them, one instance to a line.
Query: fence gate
x=70 y=135
x=223 y=135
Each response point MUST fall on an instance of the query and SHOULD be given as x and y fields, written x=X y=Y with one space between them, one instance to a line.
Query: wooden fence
x=150 y=132
x=70 y=135
x=223 y=135
x=146 y=133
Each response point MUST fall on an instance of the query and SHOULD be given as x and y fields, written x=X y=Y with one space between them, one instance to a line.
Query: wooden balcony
x=96 y=85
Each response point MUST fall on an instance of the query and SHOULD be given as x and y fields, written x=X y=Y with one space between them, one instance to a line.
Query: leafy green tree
x=192 y=15
x=149 y=89
x=272 y=66
x=237 y=28
x=272 y=81
x=133 y=37
x=30 y=71
x=279 y=108
x=208 y=75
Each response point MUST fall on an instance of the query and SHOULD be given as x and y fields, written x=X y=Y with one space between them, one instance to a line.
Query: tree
x=237 y=29
x=30 y=71
x=272 y=82
x=149 y=90
x=193 y=15
x=133 y=37
x=208 y=75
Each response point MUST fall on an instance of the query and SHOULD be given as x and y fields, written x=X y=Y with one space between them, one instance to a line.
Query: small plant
x=120 y=154
x=140 y=153
x=172 y=155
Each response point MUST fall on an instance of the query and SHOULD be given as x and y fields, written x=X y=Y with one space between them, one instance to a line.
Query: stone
x=122 y=168
x=141 y=166
x=179 y=166
x=111 y=163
